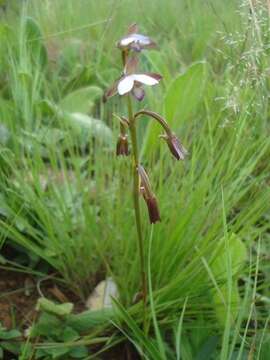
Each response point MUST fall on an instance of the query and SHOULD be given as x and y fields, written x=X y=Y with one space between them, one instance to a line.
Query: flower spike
x=131 y=82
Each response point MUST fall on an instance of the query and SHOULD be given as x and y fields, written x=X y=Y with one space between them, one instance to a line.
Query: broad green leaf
x=89 y=319
x=238 y=255
x=70 y=334
x=49 y=136
x=47 y=325
x=9 y=334
x=181 y=100
x=49 y=306
x=184 y=94
x=47 y=108
x=57 y=352
x=220 y=300
x=234 y=250
x=10 y=346
x=35 y=44
x=79 y=352
x=70 y=54
x=87 y=127
x=81 y=100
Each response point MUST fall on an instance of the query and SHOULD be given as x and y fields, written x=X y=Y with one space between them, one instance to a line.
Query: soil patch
x=19 y=293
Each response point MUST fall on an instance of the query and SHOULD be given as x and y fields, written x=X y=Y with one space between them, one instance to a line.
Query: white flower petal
x=142 y=39
x=145 y=79
x=127 y=40
x=138 y=38
x=125 y=85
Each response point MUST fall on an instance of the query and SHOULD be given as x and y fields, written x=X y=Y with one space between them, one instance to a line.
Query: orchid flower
x=135 y=41
x=132 y=82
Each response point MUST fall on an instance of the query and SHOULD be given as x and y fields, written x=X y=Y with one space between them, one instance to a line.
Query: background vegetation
x=66 y=204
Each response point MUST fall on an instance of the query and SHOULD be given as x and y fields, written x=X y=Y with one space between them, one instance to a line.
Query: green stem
x=136 y=194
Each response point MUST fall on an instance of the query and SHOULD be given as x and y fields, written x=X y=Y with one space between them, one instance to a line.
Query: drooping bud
x=122 y=145
x=153 y=210
x=149 y=196
x=175 y=146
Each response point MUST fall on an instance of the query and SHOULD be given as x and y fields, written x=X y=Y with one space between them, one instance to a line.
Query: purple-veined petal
x=138 y=93
x=145 y=79
x=125 y=85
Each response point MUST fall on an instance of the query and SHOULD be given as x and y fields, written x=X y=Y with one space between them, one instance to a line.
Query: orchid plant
x=130 y=85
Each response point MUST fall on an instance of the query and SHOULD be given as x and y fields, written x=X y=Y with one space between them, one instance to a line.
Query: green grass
x=66 y=199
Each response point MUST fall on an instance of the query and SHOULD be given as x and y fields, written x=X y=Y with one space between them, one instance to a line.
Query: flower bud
x=175 y=146
x=122 y=145
x=149 y=196
x=153 y=210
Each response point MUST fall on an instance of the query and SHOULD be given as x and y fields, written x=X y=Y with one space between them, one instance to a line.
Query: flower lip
x=138 y=92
